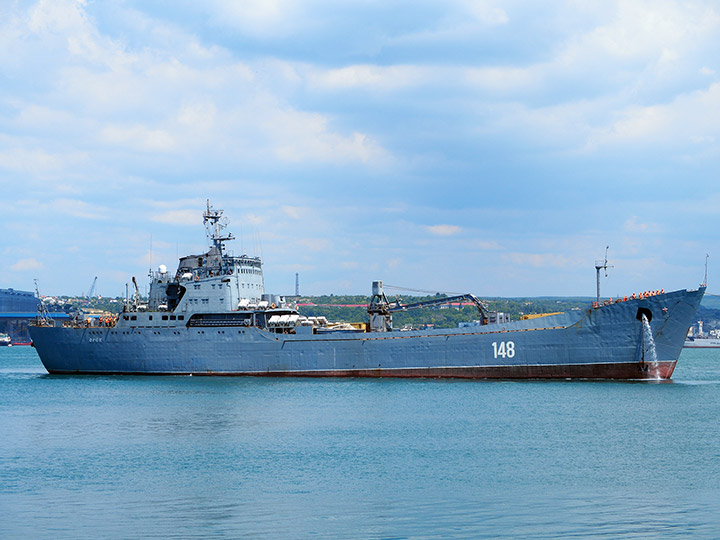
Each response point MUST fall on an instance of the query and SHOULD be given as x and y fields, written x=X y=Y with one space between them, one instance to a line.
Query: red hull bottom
x=631 y=371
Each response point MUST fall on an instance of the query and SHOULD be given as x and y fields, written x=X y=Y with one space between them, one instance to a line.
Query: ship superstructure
x=213 y=282
x=213 y=317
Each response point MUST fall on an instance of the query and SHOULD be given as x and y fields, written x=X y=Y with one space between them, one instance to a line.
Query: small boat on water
x=5 y=340
x=213 y=317
x=702 y=342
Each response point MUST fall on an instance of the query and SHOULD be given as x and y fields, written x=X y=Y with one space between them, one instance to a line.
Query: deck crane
x=441 y=301
x=380 y=308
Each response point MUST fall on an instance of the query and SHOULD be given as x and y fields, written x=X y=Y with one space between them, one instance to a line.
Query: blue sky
x=481 y=146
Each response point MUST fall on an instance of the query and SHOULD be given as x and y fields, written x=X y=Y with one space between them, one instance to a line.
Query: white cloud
x=689 y=118
x=248 y=115
x=138 y=137
x=296 y=212
x=454 y=112
x=504 y=78
x=642 y=29
x=443 y=230
x=32 y=116
x=198 y=203
x=486 y=12
x=396 y=78
x=634 y=225
x=394 y=263
x=257 y=17
x=79 y=209
x=369 y=76
x=200 y=117
x=488 y=245
x=63 y=26
x=300 y=137
x=57 y=16
x=159 y=101
x=26 y=264
x=179 y=217
x=38 y=162
x=315 y=244
x=538 y=260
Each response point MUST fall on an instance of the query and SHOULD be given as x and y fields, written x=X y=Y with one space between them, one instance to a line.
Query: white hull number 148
x=504 y=349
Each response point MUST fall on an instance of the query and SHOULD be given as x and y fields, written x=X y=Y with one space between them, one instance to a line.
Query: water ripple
x=146 y=457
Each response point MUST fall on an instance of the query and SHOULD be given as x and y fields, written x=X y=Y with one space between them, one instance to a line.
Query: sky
x=492 y=147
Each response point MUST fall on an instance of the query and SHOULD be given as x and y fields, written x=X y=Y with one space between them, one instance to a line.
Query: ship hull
x=602 y=343
x=615 y=370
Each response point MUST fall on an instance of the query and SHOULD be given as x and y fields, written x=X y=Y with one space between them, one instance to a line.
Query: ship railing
x=92 y=322
x=205 y=272
x=634 y=296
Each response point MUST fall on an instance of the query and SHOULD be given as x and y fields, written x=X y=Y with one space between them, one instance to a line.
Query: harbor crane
x=91 y=292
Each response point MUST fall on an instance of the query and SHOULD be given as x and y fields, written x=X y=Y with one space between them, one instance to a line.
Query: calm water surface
x=193 y=457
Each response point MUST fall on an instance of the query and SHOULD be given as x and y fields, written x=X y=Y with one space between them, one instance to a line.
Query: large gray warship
x=213 y=317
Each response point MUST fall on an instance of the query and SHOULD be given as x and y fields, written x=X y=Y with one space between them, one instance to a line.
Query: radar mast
x=214 y=225
x=601 y=265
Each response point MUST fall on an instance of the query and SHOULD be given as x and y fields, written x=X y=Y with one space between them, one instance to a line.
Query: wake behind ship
x=213 y=317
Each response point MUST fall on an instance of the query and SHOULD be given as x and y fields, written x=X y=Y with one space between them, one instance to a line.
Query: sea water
x=196 y=457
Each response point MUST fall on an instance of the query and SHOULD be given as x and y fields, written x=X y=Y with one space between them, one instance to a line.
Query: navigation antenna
x=214 y=224
x=704 y=283
x=601 y=265
x=43 y=317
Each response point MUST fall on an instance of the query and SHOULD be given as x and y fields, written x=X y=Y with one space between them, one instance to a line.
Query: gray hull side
x=597 y=343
